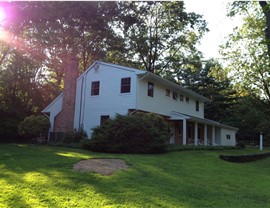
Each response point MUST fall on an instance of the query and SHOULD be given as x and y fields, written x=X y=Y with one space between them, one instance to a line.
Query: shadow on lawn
x=31 y=173
x=43 y=176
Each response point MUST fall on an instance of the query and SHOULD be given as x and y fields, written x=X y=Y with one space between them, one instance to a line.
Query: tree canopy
x=161 y=37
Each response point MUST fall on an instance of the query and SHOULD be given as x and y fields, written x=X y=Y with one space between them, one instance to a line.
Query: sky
x=220 y=26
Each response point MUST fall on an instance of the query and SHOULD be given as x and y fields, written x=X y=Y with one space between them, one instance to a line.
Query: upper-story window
x=197 y=105
x=103 y=118
x=175 y=95
x=187 y=99
x=125 y=85
x=181 y=97
x=95 y=88
x=168 y=92
x=150 y=89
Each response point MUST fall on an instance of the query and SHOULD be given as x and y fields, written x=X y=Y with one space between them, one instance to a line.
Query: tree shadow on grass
x=43 y=176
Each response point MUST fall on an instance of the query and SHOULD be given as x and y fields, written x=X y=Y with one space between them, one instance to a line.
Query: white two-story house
x=105 y=90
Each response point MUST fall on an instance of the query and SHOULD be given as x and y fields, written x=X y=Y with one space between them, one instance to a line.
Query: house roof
x=47 y=109
x=97 y=63
x=180 y=116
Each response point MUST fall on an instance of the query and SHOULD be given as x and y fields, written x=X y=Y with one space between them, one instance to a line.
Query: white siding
x=109 y=101
x=163 y=104
x=231 y=141
x=54 y=108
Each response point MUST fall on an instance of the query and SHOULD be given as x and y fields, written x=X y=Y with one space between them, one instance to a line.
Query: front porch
x=189 y=130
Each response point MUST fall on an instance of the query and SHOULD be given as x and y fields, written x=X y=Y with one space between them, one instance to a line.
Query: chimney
x=65 y=119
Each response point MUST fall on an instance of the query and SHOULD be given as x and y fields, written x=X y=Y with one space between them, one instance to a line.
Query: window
x=125 y=85
x=175 y=95
x=95 y=88
x=150 y=91
x=181 y=97
x=228 y=136
x=187 y=99
x=197 y=105
x=103 y=119
x=168 y=92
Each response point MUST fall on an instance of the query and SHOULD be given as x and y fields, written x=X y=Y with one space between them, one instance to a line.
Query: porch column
x=196 y=133
x=205 y=135
x=184 y=131
x=213 y=135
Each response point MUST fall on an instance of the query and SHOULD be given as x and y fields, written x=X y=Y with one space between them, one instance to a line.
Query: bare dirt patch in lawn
x=101 y=166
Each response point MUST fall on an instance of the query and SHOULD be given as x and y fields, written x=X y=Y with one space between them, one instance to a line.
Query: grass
x=42 y=176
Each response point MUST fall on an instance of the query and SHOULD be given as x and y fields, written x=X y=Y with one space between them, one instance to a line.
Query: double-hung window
x=95 y=88
x=168 y=92
x=125 y=85
x=181 y=97
x=175 y=95
x=103 y=118
x=150 y=90
x=197 y=105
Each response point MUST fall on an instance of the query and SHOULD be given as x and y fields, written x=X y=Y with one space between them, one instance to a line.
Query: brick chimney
x=65 y=119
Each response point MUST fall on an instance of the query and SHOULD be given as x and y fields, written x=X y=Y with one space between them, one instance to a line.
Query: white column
x=213 y=135
x=196 y=133
x=205 y=135
x=261 y=141
x=184 y=131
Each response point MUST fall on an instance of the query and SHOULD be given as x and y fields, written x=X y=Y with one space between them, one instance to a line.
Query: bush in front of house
x=73 y=137
x=34 y=126
x=181 y=147
x=138 y=133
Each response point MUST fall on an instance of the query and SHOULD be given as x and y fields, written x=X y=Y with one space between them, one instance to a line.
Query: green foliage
x=175 y=147
x=139 y=133
x=75 y=136
x=250 y=115
x=161 y=36
x=245 y=51
x=211 y=81
x=40 y=37
x=33 y=126
x=9 y=126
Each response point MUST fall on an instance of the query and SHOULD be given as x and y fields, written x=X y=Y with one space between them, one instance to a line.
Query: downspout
x=80 y=113
x=83 y=107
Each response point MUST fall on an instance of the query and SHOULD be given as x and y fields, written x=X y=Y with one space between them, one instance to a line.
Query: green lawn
x=42 y=176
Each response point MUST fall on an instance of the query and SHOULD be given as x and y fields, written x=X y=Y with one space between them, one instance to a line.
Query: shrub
x=241 y=145
x=34 y=126
x=180 y=147
x=139 y=133
x=75 y=136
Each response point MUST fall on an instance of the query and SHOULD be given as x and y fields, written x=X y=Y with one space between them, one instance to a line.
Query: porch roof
x=180 y=116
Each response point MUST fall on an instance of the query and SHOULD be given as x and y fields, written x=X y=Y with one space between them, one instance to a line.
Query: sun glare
x=2 y=15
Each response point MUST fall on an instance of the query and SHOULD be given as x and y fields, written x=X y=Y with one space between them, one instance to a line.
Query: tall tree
x=211 y=81
x=35 y=40
x=246 y=52
x=161 y=36
x=49 y=31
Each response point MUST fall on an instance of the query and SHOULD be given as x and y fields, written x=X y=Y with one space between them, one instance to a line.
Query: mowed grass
x=42 y=176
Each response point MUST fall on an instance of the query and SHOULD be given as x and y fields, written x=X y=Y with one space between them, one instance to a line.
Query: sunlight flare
x=2 y=15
